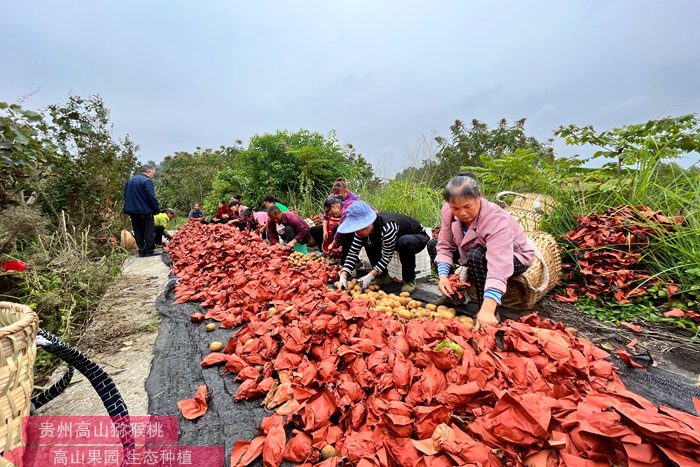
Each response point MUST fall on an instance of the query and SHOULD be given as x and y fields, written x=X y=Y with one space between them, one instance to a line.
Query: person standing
x=141 y=205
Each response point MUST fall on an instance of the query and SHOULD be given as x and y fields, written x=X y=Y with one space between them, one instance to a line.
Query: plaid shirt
x=301 y=228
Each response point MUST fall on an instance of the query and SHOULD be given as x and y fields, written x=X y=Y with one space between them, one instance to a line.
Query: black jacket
x=140 y=196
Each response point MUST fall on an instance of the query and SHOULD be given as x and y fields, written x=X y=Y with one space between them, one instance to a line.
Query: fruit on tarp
x=381 y=392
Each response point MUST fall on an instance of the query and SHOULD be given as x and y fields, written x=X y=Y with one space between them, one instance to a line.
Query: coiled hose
x=100 y=380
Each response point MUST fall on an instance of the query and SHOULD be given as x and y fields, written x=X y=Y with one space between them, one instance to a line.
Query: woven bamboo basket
x=528 y=288
x=534 y=202
x=526 y=219
x=128 y=242
x=19 y=325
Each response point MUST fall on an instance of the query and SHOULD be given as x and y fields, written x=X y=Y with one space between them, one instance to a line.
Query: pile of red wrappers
x=608 y=249
x=362 y=388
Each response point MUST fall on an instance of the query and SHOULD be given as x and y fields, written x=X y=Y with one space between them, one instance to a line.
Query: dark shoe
x=409 y=287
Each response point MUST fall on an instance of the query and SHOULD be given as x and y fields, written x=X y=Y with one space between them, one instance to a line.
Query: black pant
x=432 y=252
x=477 y=269
x=144 y=233
x=345 y=244
x=288 y=235
x=407 y=246
x=317 y=234
x=158 y=238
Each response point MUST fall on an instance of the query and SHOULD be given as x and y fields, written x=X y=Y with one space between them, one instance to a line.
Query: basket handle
x=504 y=193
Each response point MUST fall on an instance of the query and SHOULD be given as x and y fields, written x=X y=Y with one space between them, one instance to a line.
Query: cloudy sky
x=181 y=74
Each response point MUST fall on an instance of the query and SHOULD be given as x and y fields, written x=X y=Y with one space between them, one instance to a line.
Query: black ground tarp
x=176 y=374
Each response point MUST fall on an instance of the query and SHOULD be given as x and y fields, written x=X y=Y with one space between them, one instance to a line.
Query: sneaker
x=409 y=287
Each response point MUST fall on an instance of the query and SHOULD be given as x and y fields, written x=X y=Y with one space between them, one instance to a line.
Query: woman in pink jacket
x=483 y=237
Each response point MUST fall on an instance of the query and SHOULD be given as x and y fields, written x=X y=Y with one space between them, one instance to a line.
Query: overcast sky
x=178 y=74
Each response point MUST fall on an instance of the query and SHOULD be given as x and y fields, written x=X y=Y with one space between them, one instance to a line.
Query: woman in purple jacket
x=484 y=238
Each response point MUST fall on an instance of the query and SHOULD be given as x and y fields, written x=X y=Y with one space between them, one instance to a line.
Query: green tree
x=89 y=184
x=641 y=152
x=466 y=145
x=186 y=178
x=298 y=167
x=27 y=153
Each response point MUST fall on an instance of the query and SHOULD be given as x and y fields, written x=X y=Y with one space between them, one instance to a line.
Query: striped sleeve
x=353 y=255
x=444 y=269
x=494 y=294
x=390 y=233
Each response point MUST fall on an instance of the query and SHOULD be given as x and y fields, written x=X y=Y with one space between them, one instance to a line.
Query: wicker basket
x=17 y=353
x=526 y=219
x=534 y=202
x=128 y=242
x=525 y=290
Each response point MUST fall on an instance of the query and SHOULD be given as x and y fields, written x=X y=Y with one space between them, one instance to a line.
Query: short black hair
x=247 y=213
x=271 y=199
x=273 y=210
x=329 y=202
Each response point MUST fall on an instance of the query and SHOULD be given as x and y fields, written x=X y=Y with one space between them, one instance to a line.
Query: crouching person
x=483 y=237
x=295 y=232
x=161 y=225
x=381 y=234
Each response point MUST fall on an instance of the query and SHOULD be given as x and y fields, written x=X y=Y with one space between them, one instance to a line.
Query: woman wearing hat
x=381 y=234
x=483 y=237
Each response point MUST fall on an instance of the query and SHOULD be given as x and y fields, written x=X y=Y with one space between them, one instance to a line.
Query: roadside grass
x=67 y=274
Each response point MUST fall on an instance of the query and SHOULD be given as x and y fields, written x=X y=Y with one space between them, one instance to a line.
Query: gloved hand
x=365 y=281
x=343 y=281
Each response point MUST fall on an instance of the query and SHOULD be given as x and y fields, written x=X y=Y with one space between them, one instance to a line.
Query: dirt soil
x=120 y=339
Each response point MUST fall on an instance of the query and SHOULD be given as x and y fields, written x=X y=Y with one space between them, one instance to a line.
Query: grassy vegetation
x=67 y=274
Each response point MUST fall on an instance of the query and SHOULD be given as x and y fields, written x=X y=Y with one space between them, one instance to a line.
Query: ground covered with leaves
x=348 y=385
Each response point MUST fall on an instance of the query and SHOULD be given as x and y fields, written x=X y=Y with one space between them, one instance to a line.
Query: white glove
x=365 y=281
x=343 y=282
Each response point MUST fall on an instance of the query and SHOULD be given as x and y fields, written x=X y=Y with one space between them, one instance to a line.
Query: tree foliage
x=186 y=178
x=88 y=185
x=27 y=153
x=298 y=165
x=466 y=145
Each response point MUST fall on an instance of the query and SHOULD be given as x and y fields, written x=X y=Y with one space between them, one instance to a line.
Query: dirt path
x=120 y=339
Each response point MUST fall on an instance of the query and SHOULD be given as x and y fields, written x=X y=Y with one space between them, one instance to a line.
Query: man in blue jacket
x=140 y=204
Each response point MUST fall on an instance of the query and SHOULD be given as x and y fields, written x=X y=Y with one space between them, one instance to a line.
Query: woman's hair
x=339 y=185
x=222 y=202
x=247 y=213
x=236 y=197
x=233 y=203
x=271 y=199
x=273 y=210
x=463 y=185
x=329 y=202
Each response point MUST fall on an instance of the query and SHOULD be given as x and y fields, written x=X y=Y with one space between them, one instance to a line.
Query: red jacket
x=223 y=210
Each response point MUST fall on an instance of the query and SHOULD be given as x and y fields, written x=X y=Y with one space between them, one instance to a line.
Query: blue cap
x=358 y=216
